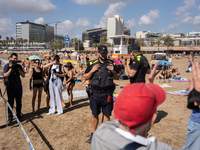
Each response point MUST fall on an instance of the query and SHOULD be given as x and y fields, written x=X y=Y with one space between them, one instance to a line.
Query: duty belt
x=102 y=91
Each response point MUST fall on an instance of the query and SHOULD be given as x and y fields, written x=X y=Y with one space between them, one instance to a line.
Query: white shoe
x=49 y=114
x=59 y=114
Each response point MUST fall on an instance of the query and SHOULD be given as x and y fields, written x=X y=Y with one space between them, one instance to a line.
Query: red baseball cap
x=137 y=103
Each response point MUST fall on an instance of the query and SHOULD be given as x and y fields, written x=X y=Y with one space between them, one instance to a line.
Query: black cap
x=68 y=64
x=135 y=48
x=193 y=97
x=102 y=49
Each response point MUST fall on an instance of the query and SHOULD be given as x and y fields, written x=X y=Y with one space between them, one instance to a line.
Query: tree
x=0 y=36
x=7 y=41
x=36 y=40
x=78 y=45
x=141 y=42
x=198 y=42
x=72 y=41
x=137 y=41
x=168 y=41
x=158 y=42
x=185 y=43
x=95 y=45
x=103 y=40
x=151 y=41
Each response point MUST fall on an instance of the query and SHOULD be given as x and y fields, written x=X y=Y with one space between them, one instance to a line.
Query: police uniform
x=140 y=64
x=102 y=87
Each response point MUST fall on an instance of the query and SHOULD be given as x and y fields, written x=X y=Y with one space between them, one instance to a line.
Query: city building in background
x=31 y=31
x=115 y=26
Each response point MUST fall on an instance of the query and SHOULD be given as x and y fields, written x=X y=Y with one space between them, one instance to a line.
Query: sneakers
x=59 y=114
x=50 y=114
x=9 y=120
x=90 y=139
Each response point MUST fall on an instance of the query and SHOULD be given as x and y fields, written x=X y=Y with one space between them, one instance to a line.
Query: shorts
x=98 y=101
x=80 y=74
x=38 y=85
x=82 y=61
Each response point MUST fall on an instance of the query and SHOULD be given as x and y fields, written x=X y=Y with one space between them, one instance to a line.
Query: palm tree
x=141 y=42
x=198 y=42
x=168 y=41
x=103 y=40
x=137 y=41
x=151 y=41
x=72 y=41
x=158 y=42
x=95 y=45
x=36 y=40
x=7 y=40
x=11 y=39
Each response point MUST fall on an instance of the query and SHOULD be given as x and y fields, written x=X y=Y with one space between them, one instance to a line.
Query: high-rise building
x=115 y=26
x=31 y=31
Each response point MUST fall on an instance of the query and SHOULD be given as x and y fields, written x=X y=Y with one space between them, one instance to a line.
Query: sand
x=72 y=129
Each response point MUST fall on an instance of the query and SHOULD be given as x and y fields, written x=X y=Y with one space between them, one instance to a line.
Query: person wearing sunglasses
x=101 y=72
x=37 y=75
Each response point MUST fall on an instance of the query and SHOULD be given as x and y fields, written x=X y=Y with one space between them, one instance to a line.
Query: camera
x=15 y=65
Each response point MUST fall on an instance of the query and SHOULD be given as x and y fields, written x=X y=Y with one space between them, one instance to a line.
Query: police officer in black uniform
x=137 y=67
x=101 y=73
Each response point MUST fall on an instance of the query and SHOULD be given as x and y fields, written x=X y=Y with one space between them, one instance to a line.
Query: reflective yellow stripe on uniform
x=92 y=62
x=138 y=58
x=111 y=62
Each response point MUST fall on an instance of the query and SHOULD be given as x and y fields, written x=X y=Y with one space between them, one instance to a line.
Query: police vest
x=102 y=78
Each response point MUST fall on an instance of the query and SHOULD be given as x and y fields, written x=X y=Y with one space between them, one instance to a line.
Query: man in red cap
x=135 y=112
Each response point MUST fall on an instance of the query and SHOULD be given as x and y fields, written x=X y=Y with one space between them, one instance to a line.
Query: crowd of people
x=134 y=109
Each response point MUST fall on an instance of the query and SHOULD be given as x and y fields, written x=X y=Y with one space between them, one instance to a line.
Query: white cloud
x=84 y=2
x=173 y=26
x=193 y=21
x=112 y=10
x=148 y=20
x=131 y=24
x=7 y=28
x=188 y=5
x=163 y=30
x=24 y=6
x=83 y=22
x=40 y=20
x=154 y=14
x=196 y=20
x=66 y=28
x=188 y=20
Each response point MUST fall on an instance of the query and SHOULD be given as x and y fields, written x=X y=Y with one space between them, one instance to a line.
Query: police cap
x=135 y=48
x=102 y=49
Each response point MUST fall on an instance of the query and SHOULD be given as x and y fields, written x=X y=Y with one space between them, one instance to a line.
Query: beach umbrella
x=33 y=57
x=164 y=63
x=46 y=55
x=117 y=62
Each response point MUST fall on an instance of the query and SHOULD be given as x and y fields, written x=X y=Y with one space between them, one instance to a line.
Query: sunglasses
x=37 y=62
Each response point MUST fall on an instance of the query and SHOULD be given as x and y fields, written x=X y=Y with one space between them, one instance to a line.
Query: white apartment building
x=141 y=34
x=115 y=26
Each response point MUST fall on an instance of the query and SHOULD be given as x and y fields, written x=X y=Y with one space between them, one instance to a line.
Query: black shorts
x=98 y=101
x=37 y=85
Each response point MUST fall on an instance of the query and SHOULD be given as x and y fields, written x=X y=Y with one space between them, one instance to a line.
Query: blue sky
x=170 y=16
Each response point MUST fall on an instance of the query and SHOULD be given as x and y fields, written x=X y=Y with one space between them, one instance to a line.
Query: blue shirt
x=195 y=116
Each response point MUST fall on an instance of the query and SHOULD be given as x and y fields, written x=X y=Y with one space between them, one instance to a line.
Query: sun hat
x=137 y=103
x=68 y=64
x=102 y=49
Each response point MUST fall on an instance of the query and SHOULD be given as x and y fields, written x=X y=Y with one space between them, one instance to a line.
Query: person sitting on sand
x=36 y=75
x=70 y=82
x=175 y=75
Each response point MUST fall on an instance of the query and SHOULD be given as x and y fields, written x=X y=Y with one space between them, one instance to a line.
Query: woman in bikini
x=70 y=82
x=36 y=75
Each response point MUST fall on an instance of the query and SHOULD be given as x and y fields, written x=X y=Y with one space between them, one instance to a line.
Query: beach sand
x=72 y=129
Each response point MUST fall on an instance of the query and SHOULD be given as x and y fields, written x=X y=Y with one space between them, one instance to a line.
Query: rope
x=20 y=125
